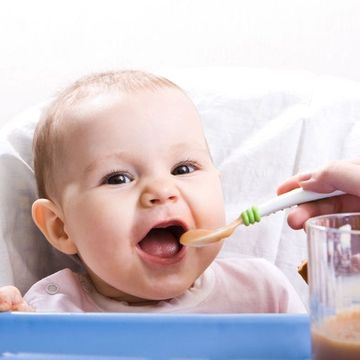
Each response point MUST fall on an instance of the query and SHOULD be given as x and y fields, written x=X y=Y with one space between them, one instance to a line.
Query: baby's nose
x=159 y=193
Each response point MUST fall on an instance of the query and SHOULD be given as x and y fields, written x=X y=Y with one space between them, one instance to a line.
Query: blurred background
x=46 y=44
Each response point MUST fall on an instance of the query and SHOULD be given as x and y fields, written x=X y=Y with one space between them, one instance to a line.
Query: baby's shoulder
x=262 y=285
x=247 y=266
x=250 y=271
x=57 y=292
x=57 y=281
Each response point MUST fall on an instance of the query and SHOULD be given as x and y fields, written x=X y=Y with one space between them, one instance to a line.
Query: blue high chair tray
x=153 y=336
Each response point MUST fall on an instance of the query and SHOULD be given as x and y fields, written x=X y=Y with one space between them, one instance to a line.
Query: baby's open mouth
x=163 y=242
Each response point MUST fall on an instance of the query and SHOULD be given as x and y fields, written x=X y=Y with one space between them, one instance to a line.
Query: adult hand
x=341 y=175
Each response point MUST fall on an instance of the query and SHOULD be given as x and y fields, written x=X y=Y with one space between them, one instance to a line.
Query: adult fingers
x=340 y=175
x=345 y=203
x=292 y=183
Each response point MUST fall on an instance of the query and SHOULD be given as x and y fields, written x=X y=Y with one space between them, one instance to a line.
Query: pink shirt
x=234 y=285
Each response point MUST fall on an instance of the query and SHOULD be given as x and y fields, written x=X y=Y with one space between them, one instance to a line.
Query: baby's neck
x=114 y=294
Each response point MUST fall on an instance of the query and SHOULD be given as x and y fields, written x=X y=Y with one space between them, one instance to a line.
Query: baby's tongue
x=161 y=243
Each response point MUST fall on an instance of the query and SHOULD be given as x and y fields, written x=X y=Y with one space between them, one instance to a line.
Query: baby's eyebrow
x=95 y=163
x=198 y=146
x=126 y=155
x=184 y=148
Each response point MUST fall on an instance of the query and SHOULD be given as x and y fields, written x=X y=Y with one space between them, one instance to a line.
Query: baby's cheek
x=213 y=208
x=217 y=217
x=207 y=254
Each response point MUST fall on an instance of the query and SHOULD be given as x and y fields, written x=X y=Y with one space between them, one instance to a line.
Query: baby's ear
x=47 y=217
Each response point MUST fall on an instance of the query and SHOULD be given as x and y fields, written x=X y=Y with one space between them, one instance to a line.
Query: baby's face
x=137 y=175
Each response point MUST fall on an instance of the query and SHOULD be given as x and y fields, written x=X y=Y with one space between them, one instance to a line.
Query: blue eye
x=184 y=169
x=117 y=179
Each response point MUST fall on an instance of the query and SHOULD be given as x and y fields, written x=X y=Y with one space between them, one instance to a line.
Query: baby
x=123 y=170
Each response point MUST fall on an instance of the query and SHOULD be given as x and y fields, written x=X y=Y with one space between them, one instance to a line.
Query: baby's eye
x=184 y=169
x=118 y=179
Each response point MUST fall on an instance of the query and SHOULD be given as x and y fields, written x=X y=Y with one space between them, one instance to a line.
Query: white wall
x=44 y=44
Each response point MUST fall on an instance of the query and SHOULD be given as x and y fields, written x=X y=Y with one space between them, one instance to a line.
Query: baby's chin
x=172 y=287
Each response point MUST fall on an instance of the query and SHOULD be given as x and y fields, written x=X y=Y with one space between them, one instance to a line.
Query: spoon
x=203 y=237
